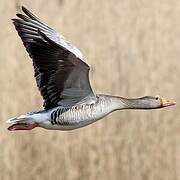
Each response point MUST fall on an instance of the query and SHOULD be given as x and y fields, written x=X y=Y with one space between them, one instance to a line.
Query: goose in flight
x=63 y=81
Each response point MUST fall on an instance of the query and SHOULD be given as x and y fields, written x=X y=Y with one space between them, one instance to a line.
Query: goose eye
x=157 y=98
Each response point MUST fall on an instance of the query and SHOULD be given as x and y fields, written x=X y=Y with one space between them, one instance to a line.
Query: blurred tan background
x=133 y=48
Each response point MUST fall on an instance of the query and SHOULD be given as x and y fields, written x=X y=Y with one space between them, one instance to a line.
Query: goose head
x=151 y=102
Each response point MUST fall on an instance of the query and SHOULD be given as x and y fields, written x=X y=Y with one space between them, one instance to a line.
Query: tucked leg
x=22 y=126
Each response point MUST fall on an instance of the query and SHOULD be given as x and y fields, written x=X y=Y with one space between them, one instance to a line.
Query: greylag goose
x=63 y=81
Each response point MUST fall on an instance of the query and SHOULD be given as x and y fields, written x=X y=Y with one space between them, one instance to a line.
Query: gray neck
x=135 y=103
x=124 y=103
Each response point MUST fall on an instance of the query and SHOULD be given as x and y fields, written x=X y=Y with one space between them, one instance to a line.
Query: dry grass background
x=133 y=47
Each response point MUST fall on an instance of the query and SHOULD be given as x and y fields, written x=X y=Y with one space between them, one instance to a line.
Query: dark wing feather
x=60 y=73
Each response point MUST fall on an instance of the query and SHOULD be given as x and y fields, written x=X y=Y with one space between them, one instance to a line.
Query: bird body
x=63 y=80
x=68 y=118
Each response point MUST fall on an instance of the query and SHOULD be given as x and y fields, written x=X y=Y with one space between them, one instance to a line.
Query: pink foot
x=22 y=126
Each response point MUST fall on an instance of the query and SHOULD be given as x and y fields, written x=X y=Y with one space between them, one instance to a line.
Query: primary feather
x=59 y=70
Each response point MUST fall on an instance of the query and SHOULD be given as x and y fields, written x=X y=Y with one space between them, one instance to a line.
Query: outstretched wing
x=61 y=75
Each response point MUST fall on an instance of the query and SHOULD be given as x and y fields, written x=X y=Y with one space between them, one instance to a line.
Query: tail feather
x=19 y=119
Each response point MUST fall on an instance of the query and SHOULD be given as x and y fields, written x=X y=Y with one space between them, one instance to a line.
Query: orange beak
x=167 y=102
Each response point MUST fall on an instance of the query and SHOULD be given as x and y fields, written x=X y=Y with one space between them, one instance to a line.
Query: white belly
x=74 y=118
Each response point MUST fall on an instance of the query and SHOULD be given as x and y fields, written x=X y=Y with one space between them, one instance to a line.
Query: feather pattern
x=59 y=70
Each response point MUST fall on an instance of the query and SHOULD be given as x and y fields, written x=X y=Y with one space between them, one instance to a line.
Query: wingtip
x=30 y=14
x=14 y=21
x=19 y=15
x=23 y=8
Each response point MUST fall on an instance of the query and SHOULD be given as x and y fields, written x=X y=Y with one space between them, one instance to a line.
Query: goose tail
x=21 y=118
